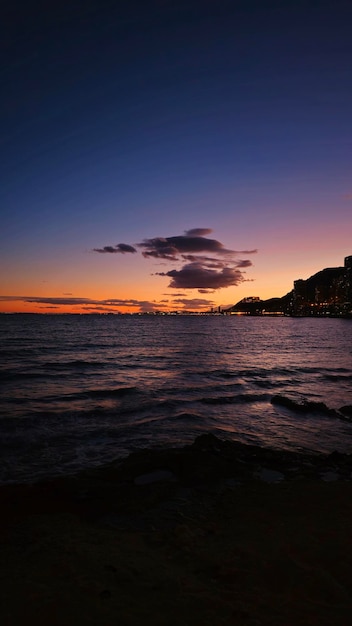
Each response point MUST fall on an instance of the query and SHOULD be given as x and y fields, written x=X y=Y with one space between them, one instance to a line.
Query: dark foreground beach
x=211 y=534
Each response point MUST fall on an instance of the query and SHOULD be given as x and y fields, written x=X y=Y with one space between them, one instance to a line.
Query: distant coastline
x=327 y=293
x=246 y=313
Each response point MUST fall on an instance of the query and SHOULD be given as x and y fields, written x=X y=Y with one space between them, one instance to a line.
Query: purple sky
x=172 y=154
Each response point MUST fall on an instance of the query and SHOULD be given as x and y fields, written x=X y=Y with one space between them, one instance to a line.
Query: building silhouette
x=328 y=292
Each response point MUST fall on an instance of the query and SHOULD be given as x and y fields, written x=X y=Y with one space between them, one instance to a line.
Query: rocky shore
x=214 y=533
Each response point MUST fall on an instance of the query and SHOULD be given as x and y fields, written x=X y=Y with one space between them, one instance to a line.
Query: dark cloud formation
x=200 y=271
x=207 y=264
x=171 y=248
x=196 y=276
x=205 y=273
x=120 y=248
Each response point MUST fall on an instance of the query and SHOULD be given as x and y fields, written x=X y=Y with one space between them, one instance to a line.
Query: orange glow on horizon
x=84 y=292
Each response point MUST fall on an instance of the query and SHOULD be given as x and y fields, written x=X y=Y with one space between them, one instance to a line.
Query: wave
x=78 y=363
x=240 y=399
x=291 y=382
x=119 y=392
x=303 y=406
x=310 y=406
x=314 y=370
x=338 y=377
x=186 y=416
x=40 y=375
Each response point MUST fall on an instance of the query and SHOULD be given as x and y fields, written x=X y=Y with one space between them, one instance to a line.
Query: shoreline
x=230 y=450
x=214 y=533
x=209 y=464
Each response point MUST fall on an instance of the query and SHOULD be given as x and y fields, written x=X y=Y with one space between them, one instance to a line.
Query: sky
x=170 y=155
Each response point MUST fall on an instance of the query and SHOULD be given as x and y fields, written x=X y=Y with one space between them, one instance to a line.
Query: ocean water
x=81 y=390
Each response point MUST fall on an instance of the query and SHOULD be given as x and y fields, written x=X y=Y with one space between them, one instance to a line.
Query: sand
x=195 y=536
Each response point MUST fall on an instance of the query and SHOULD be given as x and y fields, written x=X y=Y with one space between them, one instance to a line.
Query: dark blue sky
x=125 y=120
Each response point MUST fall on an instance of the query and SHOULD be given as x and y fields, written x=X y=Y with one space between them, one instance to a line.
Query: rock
x=155 y=477
x=329 y=476
x=270 y=476
x=208 y=443
x=305 y=406
x=232 y=483
x=346 y=410
x=336 y=457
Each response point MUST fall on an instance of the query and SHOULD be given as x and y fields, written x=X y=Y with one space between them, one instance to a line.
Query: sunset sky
x=163 y=154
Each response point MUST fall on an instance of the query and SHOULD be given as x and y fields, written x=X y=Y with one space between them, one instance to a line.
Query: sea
x=79 y=391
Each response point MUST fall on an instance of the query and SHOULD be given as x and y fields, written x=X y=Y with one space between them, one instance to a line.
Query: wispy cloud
x=194 y=303
x=120 y=248
x=87 y=304
x=198 y=232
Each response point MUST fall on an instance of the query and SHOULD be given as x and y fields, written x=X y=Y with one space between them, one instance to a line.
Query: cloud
x=244 y=263
x=194 y=303
x=120 y=248
x=146 y=307
x=98 y=309
x=49 y=306
x=171 y=248
x=87 y=304
x=213 y=263
x=215 y=271
x=206 y=261
x=196 y=276
x=58 y=301
x=198 y=232
x=208 y=265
